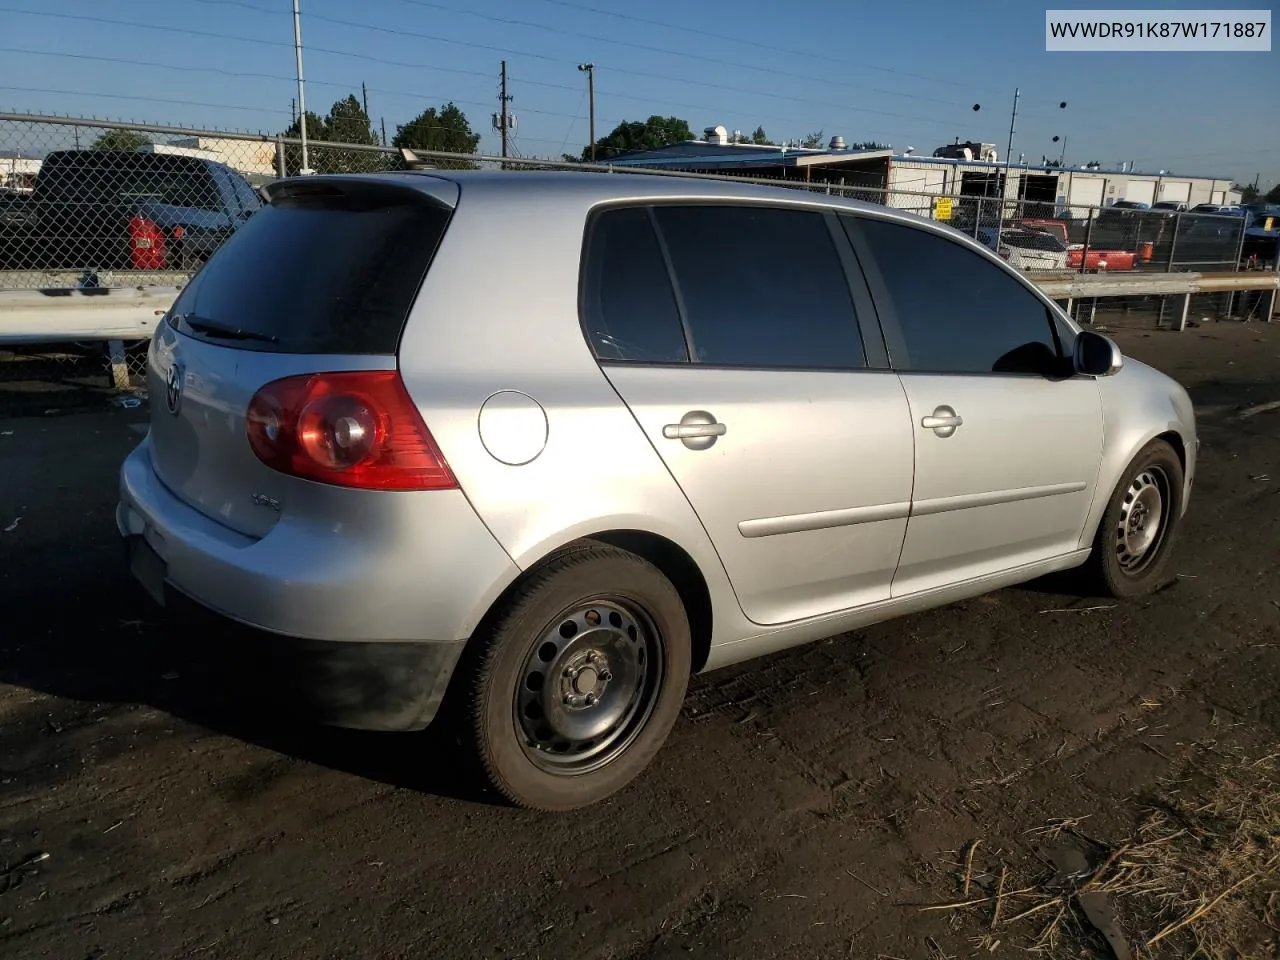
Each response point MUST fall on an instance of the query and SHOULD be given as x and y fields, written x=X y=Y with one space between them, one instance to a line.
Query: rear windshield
x=317 y=274
x=99 y=176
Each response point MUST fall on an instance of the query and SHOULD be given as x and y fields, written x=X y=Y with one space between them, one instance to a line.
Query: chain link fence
x=89 y=203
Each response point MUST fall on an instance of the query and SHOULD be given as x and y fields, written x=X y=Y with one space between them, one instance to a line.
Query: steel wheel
x=1140 y=524
x=1143 y=520
x=577 y=678
x=588 y=686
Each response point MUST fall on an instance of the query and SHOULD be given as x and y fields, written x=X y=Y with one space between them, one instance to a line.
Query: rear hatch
x=321 y=280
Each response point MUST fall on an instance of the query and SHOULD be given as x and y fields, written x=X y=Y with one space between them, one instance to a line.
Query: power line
x=144 y=99
x=435 y=38
x=649 y=48
x=807 y=54
x=352 y=85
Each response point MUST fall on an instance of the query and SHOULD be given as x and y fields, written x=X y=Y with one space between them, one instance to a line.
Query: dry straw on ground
x=1199 y=878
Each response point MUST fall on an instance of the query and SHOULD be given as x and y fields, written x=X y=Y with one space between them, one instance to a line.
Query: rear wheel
x=1137 y=532
x=580 y=679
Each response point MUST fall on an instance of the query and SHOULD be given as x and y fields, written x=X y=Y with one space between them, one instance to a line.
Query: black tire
x=569 y=627
x=1116 y=567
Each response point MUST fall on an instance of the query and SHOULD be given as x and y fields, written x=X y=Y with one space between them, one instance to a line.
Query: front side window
x=956 y=311
x=761 y=287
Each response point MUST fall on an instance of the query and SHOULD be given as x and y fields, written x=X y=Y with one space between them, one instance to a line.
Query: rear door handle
x=697 y=430
x=687 y=431
x=943 y=421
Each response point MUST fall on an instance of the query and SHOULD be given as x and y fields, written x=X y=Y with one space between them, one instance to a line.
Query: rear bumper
x=361 y=685
x=369 y=617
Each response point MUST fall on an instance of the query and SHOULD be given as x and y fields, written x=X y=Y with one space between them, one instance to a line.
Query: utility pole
x=590 y=70
x=384 y=131
x=503 y=119
x=364 y=97
x=302 y=100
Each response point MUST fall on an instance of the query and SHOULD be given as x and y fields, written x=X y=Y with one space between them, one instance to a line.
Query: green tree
x=761 y=138
x=812 y=140
x=634 y=135
x=1248 y=193
x=444 y=129
x=348 y=123
x=317 y=131
x=121 y=140
x=1273 y=195
x=869 y=145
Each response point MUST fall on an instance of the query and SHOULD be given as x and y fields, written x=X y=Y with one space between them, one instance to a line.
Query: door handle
x=687 y=431
x=943 y=421
x=697 y=430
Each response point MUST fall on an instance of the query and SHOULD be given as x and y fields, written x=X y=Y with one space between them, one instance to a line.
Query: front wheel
x=580 y=679
x=1138 y=528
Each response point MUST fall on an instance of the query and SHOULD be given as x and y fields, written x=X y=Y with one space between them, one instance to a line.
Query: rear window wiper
x=220 y=330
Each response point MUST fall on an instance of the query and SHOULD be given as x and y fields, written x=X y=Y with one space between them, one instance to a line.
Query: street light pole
x=590 y=70
x=302 y=102
x=1008 y=163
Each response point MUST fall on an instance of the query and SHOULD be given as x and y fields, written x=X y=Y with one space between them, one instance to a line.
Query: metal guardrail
x=118 y=314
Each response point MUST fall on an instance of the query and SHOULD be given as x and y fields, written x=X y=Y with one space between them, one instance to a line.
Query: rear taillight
x=357 y=429
x=146 y=243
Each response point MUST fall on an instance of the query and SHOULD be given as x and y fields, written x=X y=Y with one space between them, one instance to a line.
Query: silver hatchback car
x=552 y=443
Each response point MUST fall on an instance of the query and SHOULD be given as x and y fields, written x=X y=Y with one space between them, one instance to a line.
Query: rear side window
x=628 y=307
x=325 y=272
x=761 y=287
x=250 y=202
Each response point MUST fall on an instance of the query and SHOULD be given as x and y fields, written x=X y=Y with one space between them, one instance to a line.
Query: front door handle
x=943 y=421
x=697 y=430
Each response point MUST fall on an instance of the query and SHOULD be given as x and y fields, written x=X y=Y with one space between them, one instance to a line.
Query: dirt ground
x=807 y=805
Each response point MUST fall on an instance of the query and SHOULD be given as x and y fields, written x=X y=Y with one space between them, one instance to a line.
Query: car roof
x=125 y=158
x=593 y=188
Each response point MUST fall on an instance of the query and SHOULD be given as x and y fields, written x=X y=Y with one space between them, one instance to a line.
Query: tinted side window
x=628 y=307
x=250 y=202
x=761 y=287
x=957 y=312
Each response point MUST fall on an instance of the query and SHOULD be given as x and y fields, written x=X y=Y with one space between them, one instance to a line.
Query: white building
x=1070 y=190
x=255 y=158
x=18 y=172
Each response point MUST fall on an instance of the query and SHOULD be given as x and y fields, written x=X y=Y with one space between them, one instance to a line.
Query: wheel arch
x=672 y=561
x=1114 y=466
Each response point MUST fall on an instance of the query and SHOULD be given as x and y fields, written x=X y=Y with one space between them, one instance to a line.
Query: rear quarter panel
x=499 y=312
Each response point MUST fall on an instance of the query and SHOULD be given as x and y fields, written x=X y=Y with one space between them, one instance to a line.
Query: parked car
x=1027 y=249
x=1169 y=207
x=117 y=209
x=1097 y=259
x=1124 y=208
x=707 y=421
x=15 y=210
x=1225 y=210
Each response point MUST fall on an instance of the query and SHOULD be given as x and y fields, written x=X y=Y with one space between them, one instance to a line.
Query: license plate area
x=148 y=568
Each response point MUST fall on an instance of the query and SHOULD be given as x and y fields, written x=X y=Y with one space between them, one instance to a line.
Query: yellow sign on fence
x=942 y=208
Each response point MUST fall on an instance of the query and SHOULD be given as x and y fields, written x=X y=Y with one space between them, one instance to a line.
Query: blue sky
x=901 y=73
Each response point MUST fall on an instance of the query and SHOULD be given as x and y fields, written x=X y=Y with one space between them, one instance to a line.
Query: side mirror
x=1096 y=355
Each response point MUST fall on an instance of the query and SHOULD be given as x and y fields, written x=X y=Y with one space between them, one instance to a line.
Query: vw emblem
x=173 y=388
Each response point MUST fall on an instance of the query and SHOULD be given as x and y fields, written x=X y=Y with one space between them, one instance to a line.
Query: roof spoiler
x=415 y=162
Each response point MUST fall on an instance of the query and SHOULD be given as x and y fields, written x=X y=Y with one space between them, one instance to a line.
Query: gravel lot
x=806 y=805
